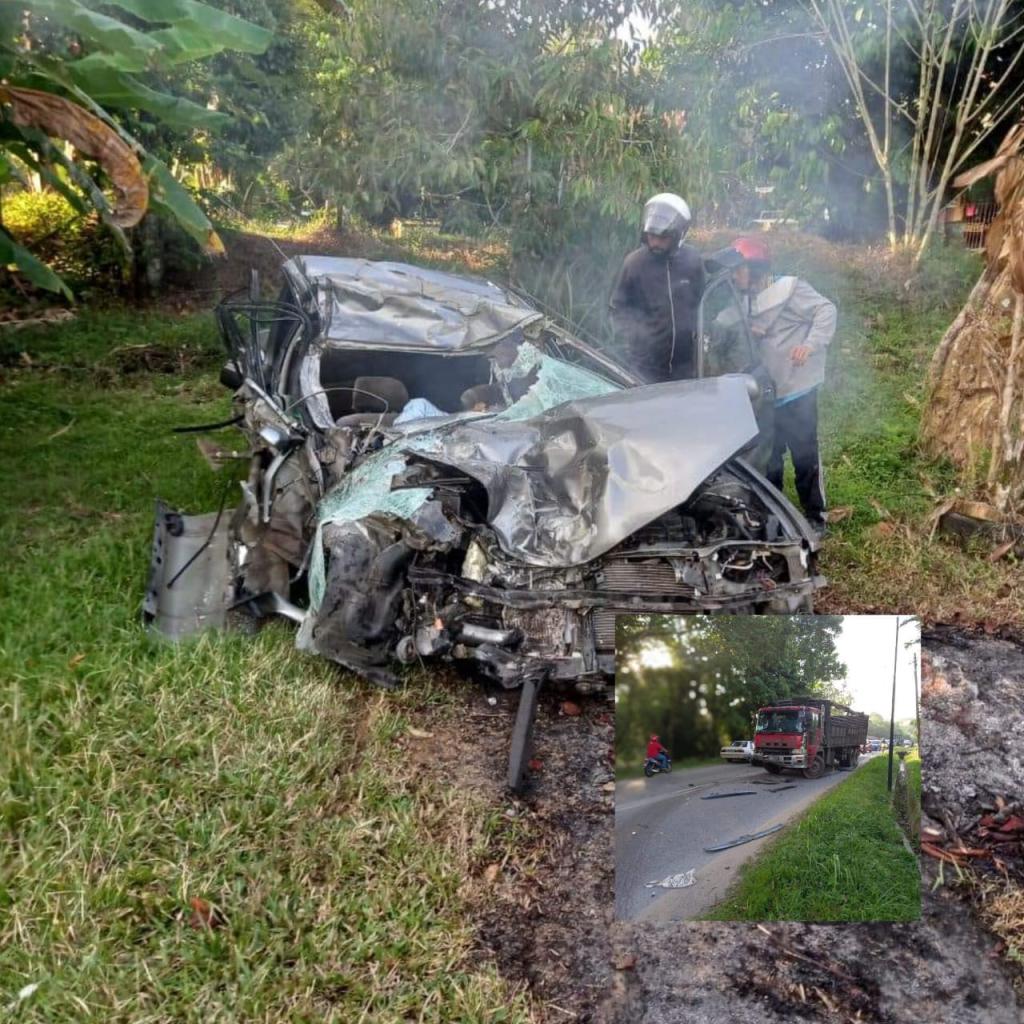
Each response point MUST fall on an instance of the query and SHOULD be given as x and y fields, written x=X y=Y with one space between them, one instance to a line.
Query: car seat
x=375 y=400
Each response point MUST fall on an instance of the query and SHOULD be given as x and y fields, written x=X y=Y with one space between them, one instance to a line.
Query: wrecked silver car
x=439 y=471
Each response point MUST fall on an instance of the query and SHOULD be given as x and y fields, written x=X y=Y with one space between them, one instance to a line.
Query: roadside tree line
x=698 y=680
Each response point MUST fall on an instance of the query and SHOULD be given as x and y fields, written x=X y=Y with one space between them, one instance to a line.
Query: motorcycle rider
x=792 y=326
x=656 y=752
x=653 y=305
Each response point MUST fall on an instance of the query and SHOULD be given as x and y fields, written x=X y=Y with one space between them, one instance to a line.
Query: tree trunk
x=975 y=410
x=975 y=387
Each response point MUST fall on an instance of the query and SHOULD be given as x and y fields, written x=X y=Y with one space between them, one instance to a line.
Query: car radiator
x=648 y=577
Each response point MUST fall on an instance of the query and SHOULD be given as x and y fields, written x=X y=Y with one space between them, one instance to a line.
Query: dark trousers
x=796 y=429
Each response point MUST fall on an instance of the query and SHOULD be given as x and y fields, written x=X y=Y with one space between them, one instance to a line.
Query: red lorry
x=808 y=733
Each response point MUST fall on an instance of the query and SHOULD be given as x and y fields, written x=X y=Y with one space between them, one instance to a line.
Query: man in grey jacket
x=792 y=326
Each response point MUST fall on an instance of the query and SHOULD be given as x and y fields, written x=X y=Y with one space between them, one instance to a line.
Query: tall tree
x=925 y=127
x=532 y=118
x=756 y=91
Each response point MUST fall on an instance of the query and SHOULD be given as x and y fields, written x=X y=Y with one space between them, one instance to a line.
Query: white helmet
x=666 y=214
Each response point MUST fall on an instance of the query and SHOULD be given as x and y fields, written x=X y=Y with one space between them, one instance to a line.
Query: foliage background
x=539 y=126
x=697 y=680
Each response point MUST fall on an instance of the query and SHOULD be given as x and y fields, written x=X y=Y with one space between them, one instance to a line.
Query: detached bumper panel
x=189 y=574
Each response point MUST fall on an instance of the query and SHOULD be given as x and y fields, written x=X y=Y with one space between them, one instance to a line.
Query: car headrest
x=481 y=394
x=378 y=394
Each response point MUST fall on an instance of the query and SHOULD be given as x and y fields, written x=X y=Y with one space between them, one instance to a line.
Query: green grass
x=844 y=860
x=882 y=555
x=136 y=777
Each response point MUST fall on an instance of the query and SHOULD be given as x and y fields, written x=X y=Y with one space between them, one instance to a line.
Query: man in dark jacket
x=654 y=302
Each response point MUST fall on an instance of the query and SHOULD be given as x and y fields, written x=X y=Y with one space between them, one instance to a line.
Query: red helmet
x=753 y=250
x=654 y=735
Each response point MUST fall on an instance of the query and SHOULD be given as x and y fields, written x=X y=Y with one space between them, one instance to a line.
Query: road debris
x=204 y=915
x=742 y=839
x=680 y=881
x=722 y=796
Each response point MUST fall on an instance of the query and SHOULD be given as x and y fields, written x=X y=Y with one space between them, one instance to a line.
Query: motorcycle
x=652 y=766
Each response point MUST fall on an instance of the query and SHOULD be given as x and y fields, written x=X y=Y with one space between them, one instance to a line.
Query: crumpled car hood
x=568 y=485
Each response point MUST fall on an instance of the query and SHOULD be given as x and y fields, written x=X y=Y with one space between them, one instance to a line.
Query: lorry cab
x=786 y=736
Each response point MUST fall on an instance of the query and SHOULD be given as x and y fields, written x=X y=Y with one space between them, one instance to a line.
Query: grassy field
x=844 y=860
x=223 y=831
x=226 y=831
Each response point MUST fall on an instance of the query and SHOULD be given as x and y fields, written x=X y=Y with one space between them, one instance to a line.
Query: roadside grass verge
x=219 y=831
x=844 y=860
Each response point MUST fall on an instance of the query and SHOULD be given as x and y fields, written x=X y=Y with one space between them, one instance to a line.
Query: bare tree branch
x=958 y=39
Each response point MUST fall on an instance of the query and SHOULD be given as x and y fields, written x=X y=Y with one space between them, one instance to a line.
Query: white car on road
x=738 y=750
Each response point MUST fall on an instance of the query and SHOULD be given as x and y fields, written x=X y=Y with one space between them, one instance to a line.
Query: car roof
x=384 y=305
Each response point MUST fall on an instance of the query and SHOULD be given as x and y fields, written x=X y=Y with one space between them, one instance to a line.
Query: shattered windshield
x=780 y=721
x=555 y=382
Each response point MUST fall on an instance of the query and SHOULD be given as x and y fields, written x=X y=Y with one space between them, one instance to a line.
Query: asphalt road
x=662 y=826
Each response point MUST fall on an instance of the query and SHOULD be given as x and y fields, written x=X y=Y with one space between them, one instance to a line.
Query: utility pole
x=917 y=705
x=892 y=713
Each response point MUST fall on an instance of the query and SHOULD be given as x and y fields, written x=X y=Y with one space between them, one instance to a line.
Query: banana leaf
x=14 y=255
x=114 y=88
x=168 y=197
x=189 y=31
x=123 y=46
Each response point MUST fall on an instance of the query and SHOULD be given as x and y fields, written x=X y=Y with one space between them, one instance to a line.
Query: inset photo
x=767 y=768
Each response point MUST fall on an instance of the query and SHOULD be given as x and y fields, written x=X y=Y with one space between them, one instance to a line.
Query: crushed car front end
x=437 y=471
